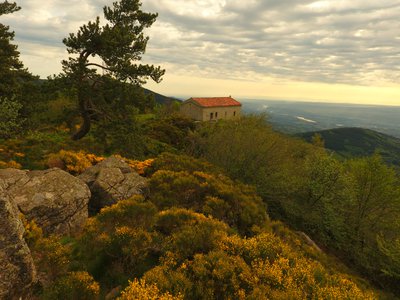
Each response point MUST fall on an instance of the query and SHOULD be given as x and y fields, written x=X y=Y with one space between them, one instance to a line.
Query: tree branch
x=97 y=65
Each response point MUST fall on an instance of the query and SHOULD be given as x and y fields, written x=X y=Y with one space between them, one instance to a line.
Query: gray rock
x=56 y=200
x=110 y=181
x=10 y=177
x=90 y=174
x=17 y=271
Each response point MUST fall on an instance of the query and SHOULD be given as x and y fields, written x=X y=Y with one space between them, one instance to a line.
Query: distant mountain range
x=294 y=117
x=356 y=142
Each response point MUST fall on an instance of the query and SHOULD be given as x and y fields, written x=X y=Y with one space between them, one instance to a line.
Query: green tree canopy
x=7 y=7
x=12 y=70
x=116 y=47
x=10 y=119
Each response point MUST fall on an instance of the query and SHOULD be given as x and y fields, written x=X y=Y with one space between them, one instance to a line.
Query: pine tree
x=119 y=45
x=12 y=71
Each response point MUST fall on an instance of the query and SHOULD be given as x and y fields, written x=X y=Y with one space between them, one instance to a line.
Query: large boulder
x=110 y=181
x=17 y=271
x=56 y=200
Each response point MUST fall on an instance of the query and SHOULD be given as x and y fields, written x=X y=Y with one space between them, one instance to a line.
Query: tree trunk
x=85 y=114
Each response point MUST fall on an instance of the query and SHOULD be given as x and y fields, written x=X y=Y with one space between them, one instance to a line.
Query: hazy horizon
x=253 y=99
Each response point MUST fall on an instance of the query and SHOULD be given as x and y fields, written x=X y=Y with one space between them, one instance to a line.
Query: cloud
x=330 y=41
x=325 y=41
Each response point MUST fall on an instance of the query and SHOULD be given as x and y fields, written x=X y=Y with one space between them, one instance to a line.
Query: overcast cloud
x=333 y=41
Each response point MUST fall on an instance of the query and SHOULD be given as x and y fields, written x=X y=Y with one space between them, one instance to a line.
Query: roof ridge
x=211 y=97
x=216 y=101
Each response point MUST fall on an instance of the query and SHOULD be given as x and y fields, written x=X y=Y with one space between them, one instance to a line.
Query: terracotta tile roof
x=216 y=101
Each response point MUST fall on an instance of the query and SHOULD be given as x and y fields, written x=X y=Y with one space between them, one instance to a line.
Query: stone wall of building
x=218 y=113
x=199 y=113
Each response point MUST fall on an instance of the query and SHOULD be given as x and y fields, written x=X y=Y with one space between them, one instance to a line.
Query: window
x=211 y=116
x=216 y=115
x=234 y=113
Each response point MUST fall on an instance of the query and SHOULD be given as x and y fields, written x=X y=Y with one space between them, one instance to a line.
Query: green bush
x=73 y=286
x=177 y=163
x=215 y=195
x=10 y=119
x=119 y=242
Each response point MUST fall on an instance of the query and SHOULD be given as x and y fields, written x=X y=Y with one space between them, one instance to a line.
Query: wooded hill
x=358 y=142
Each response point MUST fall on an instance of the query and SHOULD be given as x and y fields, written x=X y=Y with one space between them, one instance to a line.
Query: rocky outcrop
x=56 y=200
x=110 y=181
x=17 y=272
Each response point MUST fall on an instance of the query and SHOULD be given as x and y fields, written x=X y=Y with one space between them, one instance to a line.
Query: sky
x=325 y=50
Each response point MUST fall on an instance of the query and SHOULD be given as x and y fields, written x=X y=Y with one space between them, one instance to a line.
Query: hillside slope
x=356 y=142
x=160 y=99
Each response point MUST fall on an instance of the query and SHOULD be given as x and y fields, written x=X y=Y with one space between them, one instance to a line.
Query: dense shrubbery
x=198 y=235
x=32 y=151
x=139 y=290
x=36 y=149
x=171 y=129
x=172 y=162
x=251 y=151
x=73 y=286
x=119 y=244
x=346 y=206
x=216 y=195
x=201 y=258
x=262 y=267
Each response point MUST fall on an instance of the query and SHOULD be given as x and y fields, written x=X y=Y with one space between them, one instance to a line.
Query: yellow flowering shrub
x=172 y=220
x=73 y=162
x=73 y=286
x=261 y=267
x=342 y=288
x=201 y=258
x=33 y=233
x=10 y=164
x=265 y=246
x=120 y=234
x=133 y=212
x=140 y=290
x=77 y=162
x=139 y=166
x=193 y=236
x=215 y=195
x=51 y=257
x=19 y=154
x=131 y=247
x=178 y=163
x=11 y=155
x=217 y=275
